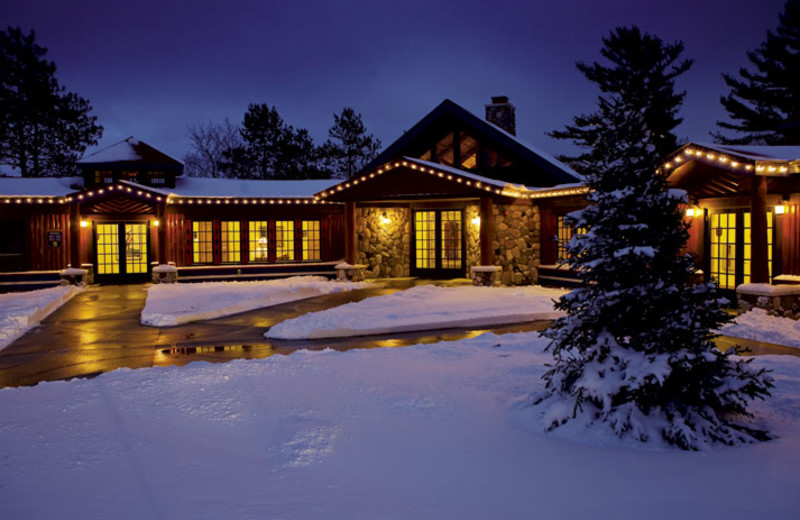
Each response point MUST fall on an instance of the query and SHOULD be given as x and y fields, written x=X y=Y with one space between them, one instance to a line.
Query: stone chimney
x=501 y=113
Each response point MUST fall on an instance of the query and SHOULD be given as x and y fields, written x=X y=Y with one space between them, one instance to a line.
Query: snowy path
x=427 y=432
x=19 y=312
x=424 y=307
x=173 y=304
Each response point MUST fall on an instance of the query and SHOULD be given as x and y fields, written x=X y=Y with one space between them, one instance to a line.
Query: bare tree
x=207 y=143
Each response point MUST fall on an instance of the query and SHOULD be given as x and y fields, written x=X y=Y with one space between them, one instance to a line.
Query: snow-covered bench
x=349 y=272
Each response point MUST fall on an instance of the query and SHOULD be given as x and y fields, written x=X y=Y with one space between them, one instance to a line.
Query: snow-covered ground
x=23 y=310
x=757 y=324
x=422 y=308
x=174 y=304
x=425 y=432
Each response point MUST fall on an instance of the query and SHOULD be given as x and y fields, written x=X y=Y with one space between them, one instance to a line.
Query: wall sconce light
x=693 y=212
x=155 y=222
x=476 y=221
x=780 y=209
x=385 y=218
x=84 y=223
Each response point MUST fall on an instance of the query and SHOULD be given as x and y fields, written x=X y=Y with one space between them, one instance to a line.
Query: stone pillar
x=74 y=235
x=486 y=231
x=350 y=236
x=161 y=216
x=759 y=261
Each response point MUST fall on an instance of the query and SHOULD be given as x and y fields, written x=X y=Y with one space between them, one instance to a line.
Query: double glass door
x=121 y=249
x=438 y=244
x=731 y=249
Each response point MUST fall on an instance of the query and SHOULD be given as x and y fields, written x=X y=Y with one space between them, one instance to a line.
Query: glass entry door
x=731 y=250
x=438 y=244
x=121 y=249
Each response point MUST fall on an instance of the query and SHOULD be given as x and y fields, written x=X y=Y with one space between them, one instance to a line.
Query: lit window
x=130 y=176
x=425 y=239
x=564 y=233
x=468 y=151
x=284 y=240
x=202 y=244
x=451 y=239
x=258 y=239
x=311 y=240
x=444 y=150
x=230 y=245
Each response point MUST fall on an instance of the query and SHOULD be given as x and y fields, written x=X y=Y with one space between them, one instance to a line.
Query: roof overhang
x=410 y=178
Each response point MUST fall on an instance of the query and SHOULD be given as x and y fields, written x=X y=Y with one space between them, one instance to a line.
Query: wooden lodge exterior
x=453 y=193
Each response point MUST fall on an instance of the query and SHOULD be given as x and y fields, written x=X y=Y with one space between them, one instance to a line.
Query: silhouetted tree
x=207 y=142
x=641 y=73
x=765 y=104
x=349 y=148
x=44 y=129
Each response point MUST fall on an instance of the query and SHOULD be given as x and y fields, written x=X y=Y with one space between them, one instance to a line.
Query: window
x=258 y=239
x=451 y=239
x=425 y=238
x=230 y=244
x=495 y=160
x=130 y=176
x=748 y=247
x=107 y=248
x=103 y=177
x=444 y=150
x=468 y=151
x=156 y=178
x=284 y=240
x=564 y=234
x=202 y=245
x=311 y=240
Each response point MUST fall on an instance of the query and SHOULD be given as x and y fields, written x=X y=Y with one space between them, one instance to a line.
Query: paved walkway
x=99 y=331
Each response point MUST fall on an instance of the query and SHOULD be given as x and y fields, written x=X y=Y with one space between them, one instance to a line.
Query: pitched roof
x=204 y=187
x=547 y=170
x=131 y=151
x=39 y=186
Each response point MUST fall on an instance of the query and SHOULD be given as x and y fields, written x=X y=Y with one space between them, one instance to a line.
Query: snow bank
x=173 y=304
x=19 y=312
x=758 y=325
x=427 y=432
x=424 y=307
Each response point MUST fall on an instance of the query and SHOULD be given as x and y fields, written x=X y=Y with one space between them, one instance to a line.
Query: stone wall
x=516 y=242
x=384 y=248
x=473 y=237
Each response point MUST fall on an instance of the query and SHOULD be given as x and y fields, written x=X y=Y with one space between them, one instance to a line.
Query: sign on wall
x=55 y=237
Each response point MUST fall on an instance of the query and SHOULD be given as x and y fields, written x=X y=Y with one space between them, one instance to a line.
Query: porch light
x=476 y=221
x=780 y=209
x=692 y=212
x=84 y=223
x=385 y=218
x=155 y=222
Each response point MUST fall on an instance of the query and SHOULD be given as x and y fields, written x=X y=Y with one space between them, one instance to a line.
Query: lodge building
x=454 y=196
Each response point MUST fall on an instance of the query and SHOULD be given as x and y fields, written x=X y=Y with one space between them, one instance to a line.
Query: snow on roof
x=456 y=171
x=39 y=186
x=204 y=187
x=756 y=153
x=130 y=150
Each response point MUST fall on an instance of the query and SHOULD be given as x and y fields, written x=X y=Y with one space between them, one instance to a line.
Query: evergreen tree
x=642 y=71
x=765 y=104
x=270 y=148
x=635 y=351
x=44 y=129
x=349 y=148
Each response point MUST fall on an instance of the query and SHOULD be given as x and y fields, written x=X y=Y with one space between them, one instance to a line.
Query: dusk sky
x=151 y=68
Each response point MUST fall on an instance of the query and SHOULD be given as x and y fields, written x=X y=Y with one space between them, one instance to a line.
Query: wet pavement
x=99 y=331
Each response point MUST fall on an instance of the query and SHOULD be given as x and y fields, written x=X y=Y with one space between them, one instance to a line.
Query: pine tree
x=642 y=69
x=635 y=351
x=44 y=129
x=270 y=149
x=765 y=104
x=349 y=148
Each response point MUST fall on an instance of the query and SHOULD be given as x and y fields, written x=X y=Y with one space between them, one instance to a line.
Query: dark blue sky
x=150 y=68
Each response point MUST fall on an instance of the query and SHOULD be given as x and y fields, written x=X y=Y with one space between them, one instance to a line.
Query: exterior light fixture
x=385 y=218
x=155 y=222
x=780 y=209
x=84 y=223
x=476 y=221
x=692 y=212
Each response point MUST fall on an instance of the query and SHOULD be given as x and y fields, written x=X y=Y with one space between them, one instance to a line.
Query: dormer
x=130 y=160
